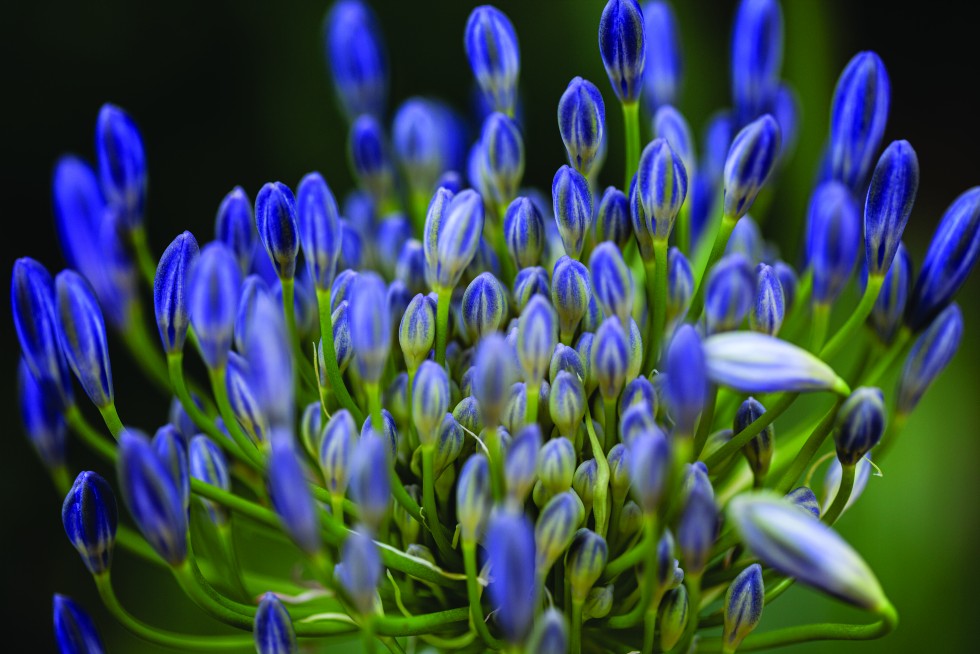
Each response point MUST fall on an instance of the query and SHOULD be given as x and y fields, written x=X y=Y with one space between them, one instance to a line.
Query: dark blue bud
x=495 y=371
x=90 y=518
x=581 y=123
x=319 y=229
x=207 y=463
x=890 y=198
x=214 y=288
x=356 y=56
x=492 y=49
x=369 y=156
x=473 y=497
x=170 y=291
x=805 y=499
x=417 y=331
x=122 y=164
x=661 y=186
x=566 y=359
x=611 y=281
x=453 y=228
x=758 y=451
x=368 y=477
x=889 y=308
x=670 y=125
x=952 y=253
x=153 y=498
x=235 y=227
x=245 y=405
x=336 y=449
x=430 y=400
x=41 y=417
x=687 y=380
x=370 y=326
x=570 y=291
x=484 y=308
x=680 y=285
x=743 y=606
x=751 y=158
x=788 y=281
x=275 y=218
x=718 y=136
x=572 y=201
x=555 y=528
x=410 y=268
x=611 y=358
x=640 y=392
x=746 y=239
x=664 y=63
x=860 y=424
x=253 y=287
x=502 y=149
x=514 y=586
x=274 y=631
x=930 y=354
x=83 y=337
x=622 y=45
x=549 y=634
x=291 y=497
x=634 y=421
x=858 y=115
x=769 y=307
x=730 y=293
x=698 y=526
x=73 y=628
x=613 y=218
x=757 y=57
x=351 y=248
x=359 y=571
x=567 y=402
x=537 y=335
x=649 y=469
x=524 y=231
x=452 y=181
x=833 y=238
x=528 y=283
x=171 y=449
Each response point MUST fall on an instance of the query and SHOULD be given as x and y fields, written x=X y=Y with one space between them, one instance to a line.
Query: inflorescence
x=485 y=421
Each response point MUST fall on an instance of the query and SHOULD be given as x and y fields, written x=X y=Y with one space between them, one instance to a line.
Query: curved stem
x=145 y=260
x=818 y=328
x=144 y=349
x=190 y=583
x=843 y=494
x=432 y=522
x=330 y=357
x=856 y=319
x=112 y=421
x=175 y=366
x=473 y=596
x=89 y=435
x=650 y=276
x=717 y=249
x=220 y=390
x=631 y=131
x=809 y=449
x=693 y=583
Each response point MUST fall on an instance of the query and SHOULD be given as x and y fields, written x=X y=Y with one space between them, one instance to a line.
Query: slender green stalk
x=144 y=349
x=683 y=227
x=531 y=408
x=626 y=560
x=432 y=522
x=717 y=249
x=650 y=286
x=497 y=483
x=231 y=554
x=659 y=309
x=330 y=359
x=443 y=298
x=175 y=366
x=751 y=430
x=205 y=600
x=843 y=494
x=575 y=635
x=500 y=247
x=705 y=423
x=609 y=427
x=220 y=389
x=111 y=418
x=600 y=502
x=473 y=596
x=809 y=449
x=631 y=124
x=819 y=325
x=693 y=583
x=856 y=319
x=89 y=435
x=145 y=260
x=885 y=363
x=648 y=584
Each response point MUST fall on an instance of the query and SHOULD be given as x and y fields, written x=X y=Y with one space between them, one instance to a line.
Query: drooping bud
x=860 y=424
x=83 y=337
x=622 y=44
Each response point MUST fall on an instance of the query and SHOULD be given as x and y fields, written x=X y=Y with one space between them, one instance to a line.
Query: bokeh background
x=236 y=92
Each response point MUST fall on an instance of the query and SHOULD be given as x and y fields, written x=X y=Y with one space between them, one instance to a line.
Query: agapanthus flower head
x=214 y=288
x=622 y=44
x=930 y=354
x=664 y=65
x=514 y=586
x=170 y=291
x=90 y=518
x=730 y=293
x=121 y=164
x=889 y=203
x=207 y=463
x=274 y=631
x=319 y=228
x=858 y=115
x=83 y=339
x=769 y=307
x=687 y=378
x=572 y=200
x=757 y=57
x=356 y=56
x=661 y=186
x=581 y=123
x=492 y=49
x=833 y=238
x=276 y=220
x=359 y=571
x=484 y=307
x=743 y=605
x=234 y=226
x=751 y=159
x=74 y=630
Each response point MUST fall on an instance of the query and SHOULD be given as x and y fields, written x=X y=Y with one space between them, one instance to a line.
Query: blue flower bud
x=153 y=497
x=613 y=218
x=430 y=400
x=449 y=443
x=41 y=417
x=799 y=545
x=274 y=631
x=611 y=281
x=746 y=239
x=831 y=483
x=757 y=56
x=235 y=227
x=537 y=335
x=556 y=464
x=769 y=307
x=359 y=571
x=484 y=307
x=649 y=468
x=567 y=402
x=611 y=358
x=319 y=228
x=245 y=405
x=170 y=291
x=492 y=49
x=369 y=156
x=952 y=253
x=83 y=338
x=718 y=136
x=730 y=293
x=805 y=500
x=502 y=164
x=171 y=449
x=528 y=283
x=570 y=291
x=640 y=221
x=555 y=528
x=833 y=238
x=122 y=164
x=622 y=45
x=670 y=125
x=687 y=378
x=213 y=292
x=572 y=201
x=90 y=518
x=514 y=586
x=417 y=331
x=639 y=392
x=680 y=285
x=356 y=56
x=860 y=424
x=889 y=203
x=664 y=63
x=524 y=231
x=335 y=451
x=673 y=617
x=351 y=248
x=520 y=463
x=566 y=359
x=453 y=227
x=549 y=634
x=751 y=158
x=291 y=498
x=634 y=421
x=581 y=123
x=207 y=463
x=73 y=628
x=252 y=288
x=858 y=115
x=758 y=451
x=889 y=308
x=495 y=371
x=473 y=497
x=271 y=361
x=743 y=606
x=410 y=267
x=370 y=326
x=698 y=525
x=369 y=484
x=758 y=363
x=619 y=461
x=420 y=142
x=930 y=354
x=275 y=218
x=661 y=186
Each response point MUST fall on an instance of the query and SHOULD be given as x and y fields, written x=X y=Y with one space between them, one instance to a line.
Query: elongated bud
x=207 y=463
x=570 y=290
x=495 y=371
x=757 y=57
x=537 y=335
x=171 y=449
x=555 y=528
x=271 y=362
x=670 y=125
x=245 y=405
x=369 y=484
x=514 y=588
x=449 y=443
x=746 y=239
x=170 y=291
x=336 y=449
x=567 y=402
x=235 y=227
x=370 y=326
x=890 y=198
x=688 y=367
x=213 y=300
x=275 y=218
x=860 y=424
x=370 y=157
x=619 y=461
x=664 y=65
x=417 y=332
x=74 y=630
x=833 y=236
x=357 y=60
x=584 y=483
x=473 y=497
x=319 y=229
x=274 y=631
x=743 y=606
x=572 y=202
x=613 y=218
x=484 y=307
x=698 y=524
x=680 y=285
x=556 y=464
x=758 y=451
x=799 y=545
x=889 y=309
x=502 y=165
x=520 y=464
x=83 y=337
x=673 y=617
x=953 y=251
x=422 y=135
x=524 y=232
x=291 y=498
x=788 y=281
x=455 y=236
x=928 y=357
x=622 y=44
x=34 y=308
x=610 y=358
x=858 y=115
x=636 y=421
x=751 y=158
x=494 y=55
x=649 y=461
x=611 y=281
x=549 y=634
x=581 y=123
x=90 y=518
x=359 y=571
x=729 y=293
x=585 y=561
x=42 y=419
x=153 y=498
x=122 y=164
x=804 y=499
x=430 y=400
x=769 y=306
x=757 y=363
x=661 y=186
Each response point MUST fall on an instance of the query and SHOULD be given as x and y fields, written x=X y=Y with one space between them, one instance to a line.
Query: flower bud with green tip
x=170 y=291
x=572 y=203
x=555 y=528
x=585 y=561
x=524 y=232
x=273 y=628
x=83 y=337
x=758 y=451
x=484 y=307
x=622 y=44
x=584 y=483
x=860 y=424
x=581 y=123
x=449 y=444
x=649 y=465
x=74 y=630
x=673 y=616
x=566 y=403
x=612 y=221
x=630 y=520
x=751 y=159
x=598 y=603
x=556 y=465
x=661 y=186
x=743 y=606
x=494 y=55
x=549 y=635
x=90 y=518
x=417 y=331
x=929 y=356
x=473 y=497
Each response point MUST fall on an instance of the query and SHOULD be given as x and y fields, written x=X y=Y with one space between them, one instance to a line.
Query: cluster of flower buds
x=485 y=421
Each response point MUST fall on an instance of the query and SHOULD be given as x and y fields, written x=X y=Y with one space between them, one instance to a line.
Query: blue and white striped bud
x=171 y=448
x=275 y=218
x=698 y=525
x=473 y=497
x=170 y=291
x=370 y=157
x=291 y=497
x=245 y=405
x=581 y=123
x=664 y=64
x=805 y=500
x=207 y=463
x=680 y=285
x=502 y=158
x=757 y=57
x=370 y=326
x=570 y=291
x=122 y=164
x=484 y=309
x=889 y=309
x=661 y=185
x=612 y=221
x=319 y=229
x=730 y=292
x=235 y=227
x=356 y=56
x=930 y=354
x=750 y=160
x=42 y=419
x=83 y=337
x=649 y=465
x=213 y=299
x=495 y=371
x=453 y=227
x=769 y=307
x=273 y=627
x=611 y=358
x=524 y=232
x=537 y=336
x=359 y=571
x=417 y=331
x=889 y=203
x=520 y=463
x=74 y=630
x=788 y=281
x=90 y=518
x=858 y=114
x=555 y=528
x=565 y=358
x=622 y=44
x=494 y=55
x=758 y=451
x=743 y=606
x=687 y=378
x=335 y=451
x=369 y=483
x=556 y=465
x=572 y=203
x=672 y=617
x=611 y=281
x=430 y=401
x=833 y=238
x=567 y=403
x=860 y=424
x=514 y=588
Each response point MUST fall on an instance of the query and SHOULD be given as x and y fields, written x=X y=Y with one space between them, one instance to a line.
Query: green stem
x=600 y=503
x=111 y=418
x=843 y=493
x=231 y=554
x=432 y=522
x=693 y=583
x=892 y=430
x=443 y=298
x=631 y=124
x=144 y=258
x=626 y=560
x=175 y=366
x=650 y=286
x=717 y=249
x=648 y=584
x=370 y=646
x=818 y=328
x=497 y=483
x=886 y=362
x=220 y=389
x=473 y=596
x=575 y=636
x=609 y=427
x=144 y=349
x=500 y=247
x=751 y=430
x=89 y=435
x=531 y=408
x=809 y=449
x=659 y=311
x=705 y=423
x=330 y=357
x=191 y=585
x=683 y=227
x=857 y=318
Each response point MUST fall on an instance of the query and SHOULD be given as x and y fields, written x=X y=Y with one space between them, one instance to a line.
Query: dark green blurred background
x=237 y=93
